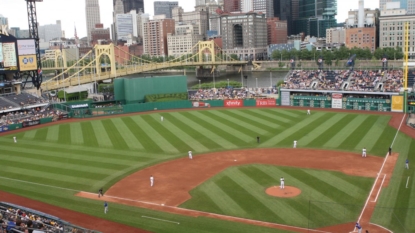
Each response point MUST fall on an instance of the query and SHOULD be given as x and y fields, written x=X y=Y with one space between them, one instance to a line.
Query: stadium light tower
x=34 y=33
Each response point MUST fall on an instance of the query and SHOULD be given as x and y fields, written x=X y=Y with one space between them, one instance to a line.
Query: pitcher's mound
x=288 y=191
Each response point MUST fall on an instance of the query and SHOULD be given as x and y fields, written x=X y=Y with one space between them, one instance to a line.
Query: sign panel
x=27 y=62
x=200 y=104
x=285 y=98
x=26 y=47
x=266 y=102
x=336 y=100
x=1 y=54
x=9 y=56
x=4 y=128
x=30 y=123
x=233 y=103
x=397 y=103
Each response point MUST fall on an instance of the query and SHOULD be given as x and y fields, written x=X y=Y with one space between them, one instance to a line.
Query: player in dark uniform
x=100 y=193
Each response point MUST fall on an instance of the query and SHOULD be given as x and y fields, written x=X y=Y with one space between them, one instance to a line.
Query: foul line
x=28 y=182
x=380 y=188
x=407 y=180
x=381 y=227
x=159 y=219
x=380 y=171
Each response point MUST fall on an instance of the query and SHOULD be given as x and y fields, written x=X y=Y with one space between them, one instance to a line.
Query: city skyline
x=49 y=12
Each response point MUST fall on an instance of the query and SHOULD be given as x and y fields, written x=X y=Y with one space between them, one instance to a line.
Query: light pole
x=228 y=83
x=242 y=78
x=256 y=80
x=270 y=78
x=199 y=83
x=214 y=83
x=63 y=79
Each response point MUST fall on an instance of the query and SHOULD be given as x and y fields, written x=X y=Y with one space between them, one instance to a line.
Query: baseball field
x=66 y=164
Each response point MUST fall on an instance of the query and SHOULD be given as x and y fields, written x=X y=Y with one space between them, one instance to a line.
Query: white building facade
x=93 y=16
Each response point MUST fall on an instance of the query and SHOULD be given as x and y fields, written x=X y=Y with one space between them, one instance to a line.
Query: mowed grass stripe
x=53 y=133
x=235 y=131
x=173 y=138
x=353 y=140
x=320 y=129
x=222 y=200
x=338 y=138
x=84 y=170
x=274 y=115
x=280 y=209
x=292 y=130
x=215 y=129
x=240 y=123
x=254 y=208
x=30 y=134
x=265 y=121
x=76 y=133
x=95 y=152
x=41 y=134
x=289 y=113
x=64 y=134
x=195 y=134
x=68 y=157
x=101 y=134
x=280 y=113
x=385 y=139
x=88 y=134
x=129 y=138
x=114 y=135
x=79 y=171
x=280 y=121
x=163 y=143
x=222 y=142
x=246 y=120
x=373 y=134
x=148 y=144
x=328 y=135
x=190 y=141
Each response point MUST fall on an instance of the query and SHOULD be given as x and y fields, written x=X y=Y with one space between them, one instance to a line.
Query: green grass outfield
x=98 y=153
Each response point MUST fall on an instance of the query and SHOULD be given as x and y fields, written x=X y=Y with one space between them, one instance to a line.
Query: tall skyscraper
x=404 y=4
x=164 y=8
x=247 y=5
x=92 y=16
x=264 y=6
x=232 y=5
x=136 y=5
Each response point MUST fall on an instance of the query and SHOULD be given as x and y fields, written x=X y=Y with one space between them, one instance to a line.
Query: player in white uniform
x=295 y=144
x=364 y=153
x=308 y=112
x=162 y=118
x=15 y=140
x=282 y=183
x=190 y=154
x=151 y=181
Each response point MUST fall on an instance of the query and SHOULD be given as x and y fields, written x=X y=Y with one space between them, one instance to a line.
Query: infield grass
x=86 y=156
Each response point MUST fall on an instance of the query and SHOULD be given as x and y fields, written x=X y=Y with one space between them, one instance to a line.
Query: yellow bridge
x=87 y=70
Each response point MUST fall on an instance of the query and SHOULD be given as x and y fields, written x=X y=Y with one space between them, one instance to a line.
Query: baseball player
x=151 y=181
x=359 y=228
x=100 y=193
x=257 y=139
x=105 y=207
x=162 y=118
x=364 y=152
x=282 y=183
x=15 y=140
x=308 y=112
x=407 y=164
x=190 y=154
x=295 y=144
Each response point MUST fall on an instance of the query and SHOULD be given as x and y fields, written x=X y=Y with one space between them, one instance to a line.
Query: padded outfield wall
x=134 y=90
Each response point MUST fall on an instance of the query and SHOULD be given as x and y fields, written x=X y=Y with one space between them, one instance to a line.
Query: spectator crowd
x=229 y=93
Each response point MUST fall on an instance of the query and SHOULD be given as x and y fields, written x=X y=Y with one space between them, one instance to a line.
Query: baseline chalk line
x=159 y=219
x=407 y=180
x=380 y=188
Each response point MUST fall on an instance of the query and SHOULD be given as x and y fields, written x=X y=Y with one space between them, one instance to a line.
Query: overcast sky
x=72 y=12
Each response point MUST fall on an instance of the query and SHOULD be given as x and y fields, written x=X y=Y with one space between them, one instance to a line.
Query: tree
x=276 y=55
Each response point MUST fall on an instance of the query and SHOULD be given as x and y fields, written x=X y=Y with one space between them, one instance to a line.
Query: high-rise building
x=247 y=5
x=314 y=17
x=277 y=31
x=284 y=10
x=335 y=36
x=4 y=21
x=50 y=31
x=264 y=6
x=155 y=35
x=408 y=5
x=92 y=16
x=244 y=34
x=232 y=5
x=136 y=5
x=184 y=39
x=199 y=18
x=164 y=8
x=99 y=34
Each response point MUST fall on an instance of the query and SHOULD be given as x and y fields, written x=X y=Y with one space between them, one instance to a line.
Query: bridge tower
x=209 y=45
x=101 y=50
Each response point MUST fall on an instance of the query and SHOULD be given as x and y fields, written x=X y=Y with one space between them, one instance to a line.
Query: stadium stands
x=229 y=93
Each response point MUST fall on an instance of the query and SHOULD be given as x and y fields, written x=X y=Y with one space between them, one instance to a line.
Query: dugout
x=134 y=90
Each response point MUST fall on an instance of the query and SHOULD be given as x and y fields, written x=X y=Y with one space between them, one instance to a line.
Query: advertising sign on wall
x=285 y=98
x=337 y=100
x=233 y=103
x=266 y=102
x=26 y=47
x=397 y=103
x=200 y=104
x=4 y=128
x=27 y=62
x=30 y=123
x=8 y=60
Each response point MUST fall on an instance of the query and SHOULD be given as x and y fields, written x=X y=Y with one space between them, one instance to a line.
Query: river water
x=254 y=79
